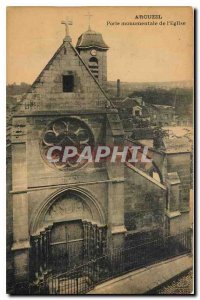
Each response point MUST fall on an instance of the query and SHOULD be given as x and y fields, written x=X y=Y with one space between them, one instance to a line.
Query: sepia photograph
x=100 y=150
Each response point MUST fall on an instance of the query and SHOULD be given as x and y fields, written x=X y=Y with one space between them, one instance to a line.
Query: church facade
x=77 y=209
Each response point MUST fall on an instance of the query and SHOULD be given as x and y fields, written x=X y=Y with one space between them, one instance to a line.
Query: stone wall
x=145 y=201
x=40 y=173
x=181 y=163
x=46 y=94
x=55 y=204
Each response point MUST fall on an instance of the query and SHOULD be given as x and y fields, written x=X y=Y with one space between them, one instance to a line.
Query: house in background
x=163 y=115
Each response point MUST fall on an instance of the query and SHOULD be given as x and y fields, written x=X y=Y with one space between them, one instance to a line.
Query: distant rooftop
x=162 y=106
x=180 y=139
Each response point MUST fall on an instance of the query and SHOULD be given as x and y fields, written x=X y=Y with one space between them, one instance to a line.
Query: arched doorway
x=68 y=230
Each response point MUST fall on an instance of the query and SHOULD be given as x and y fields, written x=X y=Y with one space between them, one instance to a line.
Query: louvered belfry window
x=93 y=65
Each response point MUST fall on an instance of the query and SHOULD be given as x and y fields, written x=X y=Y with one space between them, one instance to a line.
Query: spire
x=89 y=16
x=67 y=23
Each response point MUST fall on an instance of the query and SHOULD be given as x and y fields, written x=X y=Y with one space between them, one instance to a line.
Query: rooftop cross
x=89 y=16
x=67 y=23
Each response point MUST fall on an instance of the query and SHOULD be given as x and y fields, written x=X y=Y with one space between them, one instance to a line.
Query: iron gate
x=61 y=247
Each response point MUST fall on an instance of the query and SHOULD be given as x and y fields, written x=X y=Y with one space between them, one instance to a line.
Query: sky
x=136 y=54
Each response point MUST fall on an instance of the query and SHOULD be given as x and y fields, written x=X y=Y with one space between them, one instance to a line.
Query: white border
x=3 y=3
x=193 y=3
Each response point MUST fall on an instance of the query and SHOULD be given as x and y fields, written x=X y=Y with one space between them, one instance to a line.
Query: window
x=137 y=113
x=93 y=61
x=93 y=65
x=68 y=83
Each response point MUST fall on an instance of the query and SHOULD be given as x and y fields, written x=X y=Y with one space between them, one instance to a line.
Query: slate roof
x=128 y=103
x=91 y=39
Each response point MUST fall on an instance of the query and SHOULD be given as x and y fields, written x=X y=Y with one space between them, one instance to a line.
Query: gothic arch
x=38 y=220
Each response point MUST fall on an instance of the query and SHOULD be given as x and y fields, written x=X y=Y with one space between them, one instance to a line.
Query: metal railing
x=116 y=262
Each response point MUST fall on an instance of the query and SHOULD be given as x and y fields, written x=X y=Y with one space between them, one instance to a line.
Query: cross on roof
x=89 y=16
x=67 y=23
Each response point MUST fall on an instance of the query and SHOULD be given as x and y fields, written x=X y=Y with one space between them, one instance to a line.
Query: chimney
x=118 y=88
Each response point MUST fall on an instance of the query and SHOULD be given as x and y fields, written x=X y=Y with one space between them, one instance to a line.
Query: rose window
x=62 y=133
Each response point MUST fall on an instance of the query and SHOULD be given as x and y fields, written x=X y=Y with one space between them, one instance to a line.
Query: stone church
x=81 y=209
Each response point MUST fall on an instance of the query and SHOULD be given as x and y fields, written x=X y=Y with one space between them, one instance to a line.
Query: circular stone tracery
x=66 y=132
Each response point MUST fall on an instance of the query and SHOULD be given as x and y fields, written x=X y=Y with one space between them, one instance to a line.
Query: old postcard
x=100 y=150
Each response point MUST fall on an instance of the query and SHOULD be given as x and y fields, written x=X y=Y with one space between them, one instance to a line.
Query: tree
x=158 y=135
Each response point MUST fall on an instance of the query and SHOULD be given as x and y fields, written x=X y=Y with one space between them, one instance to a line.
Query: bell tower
x=93 y=51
